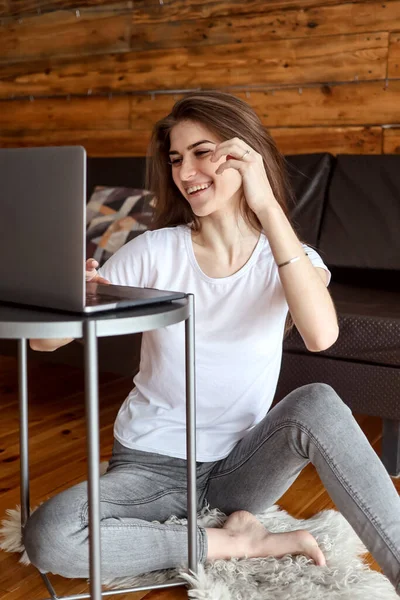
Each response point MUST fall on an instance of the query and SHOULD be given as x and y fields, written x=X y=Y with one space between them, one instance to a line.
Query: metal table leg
x=24 y=444
x=93 y=452
x=191 y=437
x=23 y=430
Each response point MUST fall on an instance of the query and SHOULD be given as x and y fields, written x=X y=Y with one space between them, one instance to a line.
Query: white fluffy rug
x=345 y=577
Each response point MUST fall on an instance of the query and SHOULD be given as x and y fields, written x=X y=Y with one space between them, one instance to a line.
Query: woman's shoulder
x=167 y=232
x=165 y=236
x=134 y=258
x=150 y=241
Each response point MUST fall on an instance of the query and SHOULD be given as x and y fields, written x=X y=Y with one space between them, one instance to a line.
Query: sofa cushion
x=309 y=175
x=361 y=223
x=115 y=215
x=369 y=324
x=365 y=388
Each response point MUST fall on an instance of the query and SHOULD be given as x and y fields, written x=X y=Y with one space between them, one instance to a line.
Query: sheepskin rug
x=346 y=576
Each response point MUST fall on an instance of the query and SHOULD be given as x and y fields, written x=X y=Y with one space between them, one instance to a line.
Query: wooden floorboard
x=58 y=460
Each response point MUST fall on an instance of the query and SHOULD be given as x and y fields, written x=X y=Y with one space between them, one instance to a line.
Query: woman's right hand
x=91 y=273
x=49 y=345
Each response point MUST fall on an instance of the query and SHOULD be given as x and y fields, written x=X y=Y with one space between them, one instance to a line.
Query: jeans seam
x=333 y=467
x=245 y=459
x=203 y=547
x=149 y=524
x=85 y=506
x=148 y=499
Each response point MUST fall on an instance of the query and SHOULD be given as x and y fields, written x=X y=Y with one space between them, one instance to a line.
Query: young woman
x=221 y=232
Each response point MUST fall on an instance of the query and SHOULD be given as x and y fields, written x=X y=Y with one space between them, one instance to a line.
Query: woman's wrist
x=267 y=210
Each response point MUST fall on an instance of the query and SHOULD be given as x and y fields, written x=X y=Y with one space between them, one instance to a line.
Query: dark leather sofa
x=348 y=208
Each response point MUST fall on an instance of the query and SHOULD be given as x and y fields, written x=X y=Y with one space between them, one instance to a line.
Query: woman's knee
x=317 y=403
x=51 y=536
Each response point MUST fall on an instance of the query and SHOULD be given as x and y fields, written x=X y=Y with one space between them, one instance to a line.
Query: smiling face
x=191 y=148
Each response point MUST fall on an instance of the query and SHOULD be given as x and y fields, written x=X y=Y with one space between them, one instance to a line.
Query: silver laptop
x=43 y=235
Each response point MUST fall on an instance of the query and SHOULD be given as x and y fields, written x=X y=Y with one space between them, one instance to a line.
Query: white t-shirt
x=239 y=325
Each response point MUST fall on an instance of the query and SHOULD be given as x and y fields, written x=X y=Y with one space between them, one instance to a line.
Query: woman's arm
x=309 y=301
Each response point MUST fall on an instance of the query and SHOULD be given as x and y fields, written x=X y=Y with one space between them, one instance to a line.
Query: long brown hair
x=227 y=116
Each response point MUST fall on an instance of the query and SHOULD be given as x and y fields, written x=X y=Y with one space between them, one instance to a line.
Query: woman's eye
x=176 y=162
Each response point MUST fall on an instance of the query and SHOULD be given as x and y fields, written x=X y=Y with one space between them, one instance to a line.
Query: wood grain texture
x=346 y=18
x=60 y=113
x=335 y=105
x=391 y=140
x=97 y=143
x=151 y=11
x=394 y=55
x=336 y=140
x=63 y=34
x=321 y=59
x=114 y=28
x=364 y=103
x=291 y=140
x=146 y=11
x=353 y=104
x=22 y=8
x=4 y=7
x=178 y=594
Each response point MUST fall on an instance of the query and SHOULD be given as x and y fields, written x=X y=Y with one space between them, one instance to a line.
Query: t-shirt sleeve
x=316 y=260
x=130 y=265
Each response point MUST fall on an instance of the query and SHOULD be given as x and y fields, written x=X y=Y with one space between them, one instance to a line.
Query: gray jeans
x=310 y=424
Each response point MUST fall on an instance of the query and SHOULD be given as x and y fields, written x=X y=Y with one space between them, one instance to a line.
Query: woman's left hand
x=249 y=163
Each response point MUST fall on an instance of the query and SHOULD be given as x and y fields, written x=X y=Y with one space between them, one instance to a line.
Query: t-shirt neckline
x=220 y=280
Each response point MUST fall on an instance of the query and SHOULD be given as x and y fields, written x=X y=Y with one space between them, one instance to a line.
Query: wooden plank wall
x=324 y=75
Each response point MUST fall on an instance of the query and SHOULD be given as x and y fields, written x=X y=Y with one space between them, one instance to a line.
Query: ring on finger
x=245 y=154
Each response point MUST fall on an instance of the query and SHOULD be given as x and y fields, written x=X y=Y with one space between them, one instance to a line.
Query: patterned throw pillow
x=115 y=215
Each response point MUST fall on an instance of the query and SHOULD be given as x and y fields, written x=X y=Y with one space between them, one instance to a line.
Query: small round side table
x=25 y=323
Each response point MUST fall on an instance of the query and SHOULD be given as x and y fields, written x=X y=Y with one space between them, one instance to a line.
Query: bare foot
x=243 y=535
